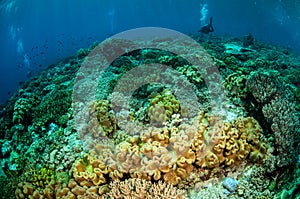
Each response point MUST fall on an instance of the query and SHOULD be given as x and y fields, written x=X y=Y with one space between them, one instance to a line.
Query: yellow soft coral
x=89 y=171
x=101 y=122
x=219 y=143
x=162 y=107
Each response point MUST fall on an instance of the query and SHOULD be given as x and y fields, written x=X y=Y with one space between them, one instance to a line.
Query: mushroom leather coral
x=229 y=143
x=168 y=153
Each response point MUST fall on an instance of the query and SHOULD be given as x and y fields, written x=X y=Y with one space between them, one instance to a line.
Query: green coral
x=22 y=110
x=125 y=63
x=43 y=176
x=54 y=107
x=235 y=84
x=192 y=73
x=297 y=97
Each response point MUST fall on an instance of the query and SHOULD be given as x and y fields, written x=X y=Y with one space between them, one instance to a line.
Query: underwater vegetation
x=251 y=152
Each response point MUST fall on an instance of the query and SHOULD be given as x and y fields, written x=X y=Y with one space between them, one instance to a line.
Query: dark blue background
x=50 y=30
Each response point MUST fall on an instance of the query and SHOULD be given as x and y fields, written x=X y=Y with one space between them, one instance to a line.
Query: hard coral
x=136 y=188
x=284 y=120
x=263 y=85
x=22 y=110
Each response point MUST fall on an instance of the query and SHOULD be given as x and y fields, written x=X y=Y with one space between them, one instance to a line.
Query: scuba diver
x=207 y=28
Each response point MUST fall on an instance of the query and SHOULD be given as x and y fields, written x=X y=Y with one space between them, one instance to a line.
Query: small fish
x=207 y=28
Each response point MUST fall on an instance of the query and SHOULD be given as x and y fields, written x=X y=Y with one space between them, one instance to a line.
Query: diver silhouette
x=207 y=28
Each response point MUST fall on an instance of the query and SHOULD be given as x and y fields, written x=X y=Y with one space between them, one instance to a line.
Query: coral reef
x=264 y=85
x=254 y=184
x=60 y=141
x=235 y=84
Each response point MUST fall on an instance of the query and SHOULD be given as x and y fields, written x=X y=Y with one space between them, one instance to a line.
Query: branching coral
x=263 y=85
x=136 y=188
x=281 y=114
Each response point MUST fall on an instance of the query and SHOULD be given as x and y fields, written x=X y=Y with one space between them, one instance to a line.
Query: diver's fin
x=207 y=28
x=210 y=21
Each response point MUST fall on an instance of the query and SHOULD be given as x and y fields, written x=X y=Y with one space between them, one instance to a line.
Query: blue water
x=37 y=33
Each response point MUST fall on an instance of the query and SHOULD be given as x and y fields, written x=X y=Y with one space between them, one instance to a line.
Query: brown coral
x=168 y=153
